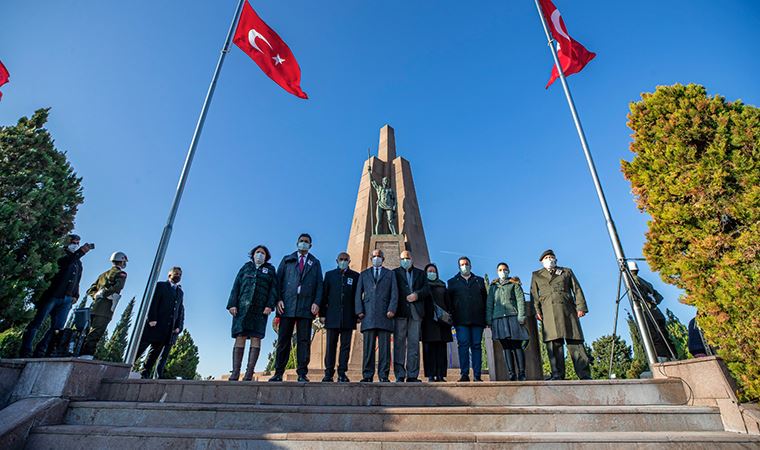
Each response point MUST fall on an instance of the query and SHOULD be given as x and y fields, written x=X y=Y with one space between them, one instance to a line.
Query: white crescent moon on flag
x=557 y=26
x=252 y=35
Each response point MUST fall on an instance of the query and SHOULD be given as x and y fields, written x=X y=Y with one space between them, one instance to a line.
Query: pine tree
x=183 y=358
x=639 y=363
x=115 y=347
x=39 y=197
x=679 y=335
x=621 y=363
x=100 y=351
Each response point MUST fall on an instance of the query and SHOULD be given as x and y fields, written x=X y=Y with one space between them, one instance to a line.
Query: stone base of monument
x=176 y=414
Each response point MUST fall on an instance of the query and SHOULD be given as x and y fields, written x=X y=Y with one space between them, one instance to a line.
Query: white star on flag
x=278 y=60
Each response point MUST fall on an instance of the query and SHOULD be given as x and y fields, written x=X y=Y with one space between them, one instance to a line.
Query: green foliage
x=621 y=363
x=101 y=353
x=39 y=197
x=115 y=347
x=10 y=342
x=696 y=172
x=639 y=363
x=679 y=335
x=183 y=358
x=569 y=367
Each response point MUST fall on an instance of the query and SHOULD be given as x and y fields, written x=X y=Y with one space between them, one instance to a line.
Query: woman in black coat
x=435 y=334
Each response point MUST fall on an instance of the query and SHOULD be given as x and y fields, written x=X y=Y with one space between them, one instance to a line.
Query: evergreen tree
x=39 y=197
x=621 y=363
x=183 y=358
x=115 y=347
x=679 y=335
x=696 y=173
x=639 y=363
x=101 y=353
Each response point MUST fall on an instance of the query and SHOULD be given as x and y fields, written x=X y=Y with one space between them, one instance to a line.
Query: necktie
x=300 y=264
x=376 y=274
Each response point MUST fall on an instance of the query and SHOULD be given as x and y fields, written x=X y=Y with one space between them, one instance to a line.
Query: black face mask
x=175 y=280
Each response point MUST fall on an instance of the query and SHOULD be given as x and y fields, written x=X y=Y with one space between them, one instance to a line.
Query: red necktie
x=300 y=264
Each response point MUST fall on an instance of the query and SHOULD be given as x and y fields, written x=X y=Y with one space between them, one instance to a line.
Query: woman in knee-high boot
x=253 y=297
x=505 y=314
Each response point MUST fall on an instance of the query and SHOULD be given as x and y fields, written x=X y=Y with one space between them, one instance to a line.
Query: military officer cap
x=547 y=253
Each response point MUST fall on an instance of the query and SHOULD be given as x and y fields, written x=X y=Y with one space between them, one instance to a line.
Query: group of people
x=413 y=305
x=164 y=321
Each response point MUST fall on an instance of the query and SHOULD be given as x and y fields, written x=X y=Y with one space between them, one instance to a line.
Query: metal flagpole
x=611 y=230
x=137 y=329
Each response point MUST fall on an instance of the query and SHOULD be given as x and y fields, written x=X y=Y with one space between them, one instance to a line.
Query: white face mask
x=432 y=276
x=503 y=274
x=303 y=246
x=72 y=247
x=406 y=263
x=342 y=264
x=377 y=261
x=259 y=258
x=549 y=263
x=465 y=269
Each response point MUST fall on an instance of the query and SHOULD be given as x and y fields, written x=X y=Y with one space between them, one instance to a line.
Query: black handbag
x=440 y=315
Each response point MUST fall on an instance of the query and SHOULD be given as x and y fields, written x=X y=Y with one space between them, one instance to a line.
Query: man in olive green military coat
x=559 y=304
x=106 y=293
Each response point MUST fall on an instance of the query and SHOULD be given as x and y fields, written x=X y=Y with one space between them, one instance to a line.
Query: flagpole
x=158 y=261
x=611 y=230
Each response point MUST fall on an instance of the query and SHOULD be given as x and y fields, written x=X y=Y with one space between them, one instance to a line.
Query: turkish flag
x=573 y=56
x=4 y=76
x=270 y=52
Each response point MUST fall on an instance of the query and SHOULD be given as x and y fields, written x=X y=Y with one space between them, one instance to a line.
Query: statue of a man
x=386 y=201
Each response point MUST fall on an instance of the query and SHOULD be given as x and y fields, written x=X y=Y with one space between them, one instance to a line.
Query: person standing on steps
x=337 y=314
x=412 y=293
x=560 y=304
x=253 y=297
x=658 y=330
x=299 y=279
x=106 y=293
x=505 y=314
x=468 y=294
x=375 y=304
x=436 y=331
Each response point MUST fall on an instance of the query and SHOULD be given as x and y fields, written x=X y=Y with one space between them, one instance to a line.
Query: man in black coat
x=57 y=299
x=412 y=291
x=468 y=295
x=337 y=314
x=166 y=318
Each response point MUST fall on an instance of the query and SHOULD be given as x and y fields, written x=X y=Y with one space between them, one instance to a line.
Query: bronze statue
x=386 y=201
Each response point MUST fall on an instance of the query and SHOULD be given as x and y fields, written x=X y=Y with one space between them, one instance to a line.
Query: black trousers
x=383 y=339
x=660 y=345
x=435 y=359
x=302 y=327
x=157 y=349
x=556 y=351
x=332 y=347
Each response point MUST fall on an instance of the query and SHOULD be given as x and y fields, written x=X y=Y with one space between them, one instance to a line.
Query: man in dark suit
x=338 y=315
x=376 y=303
x=300 y=281
x=412 y=290
x=166 y=318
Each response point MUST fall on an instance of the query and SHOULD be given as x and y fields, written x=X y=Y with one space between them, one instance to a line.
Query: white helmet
x=633 y=266
x=119 y=257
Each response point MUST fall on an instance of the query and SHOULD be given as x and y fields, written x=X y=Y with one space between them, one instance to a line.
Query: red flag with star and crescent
x=573 y=56
x=4 y=76
x=268 y=50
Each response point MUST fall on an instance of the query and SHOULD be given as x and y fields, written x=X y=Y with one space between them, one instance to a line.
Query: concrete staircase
x=212 y=414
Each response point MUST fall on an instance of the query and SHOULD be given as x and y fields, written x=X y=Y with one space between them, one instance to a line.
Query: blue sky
x=497 y=164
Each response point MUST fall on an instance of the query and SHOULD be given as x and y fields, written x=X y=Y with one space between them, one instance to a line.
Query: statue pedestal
x=392 y=245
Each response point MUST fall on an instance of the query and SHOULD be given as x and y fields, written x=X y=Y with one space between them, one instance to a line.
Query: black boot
x=510 y=365
x=520 y=357
x=237 y=360
x=253 y=356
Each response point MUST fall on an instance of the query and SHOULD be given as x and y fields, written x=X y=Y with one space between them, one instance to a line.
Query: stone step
x=76 y=437
x=502 y=393
x=292 y=418
x=356 y=375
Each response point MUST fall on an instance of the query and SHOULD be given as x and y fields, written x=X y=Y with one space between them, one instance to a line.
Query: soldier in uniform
x=652 y=298
x=386 y=201
x=559 y=304
x=105 y=292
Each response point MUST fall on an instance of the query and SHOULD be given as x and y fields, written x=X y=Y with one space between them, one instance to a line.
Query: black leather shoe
x=432 y=379
x=343 y=379
x=275 y=379
x=464 y=378
x=327 y=379
x=303 y=379
x=385 y=380
x=478 y=379
x=413 y=380
x=441 y=380
x=400 y=380
x=366 y=380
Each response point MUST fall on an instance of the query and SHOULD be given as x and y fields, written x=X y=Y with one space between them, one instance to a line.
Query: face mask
x=549 y=263
x=175 y=279
x=465 y=269
x=303 y=246
x=124 y=265
x=406 y=263
x=343 y=264
x=432 y=276
x=72 y=247
x=259 y=258
x=503 y=274
x=377 y=261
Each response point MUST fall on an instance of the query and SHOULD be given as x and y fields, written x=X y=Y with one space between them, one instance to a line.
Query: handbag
x=440 y=315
